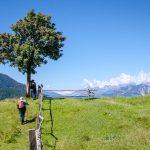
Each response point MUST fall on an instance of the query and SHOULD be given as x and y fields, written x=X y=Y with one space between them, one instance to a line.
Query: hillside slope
x=9 y=88
x=102 y=124
x=106 y=124
x=13 y=135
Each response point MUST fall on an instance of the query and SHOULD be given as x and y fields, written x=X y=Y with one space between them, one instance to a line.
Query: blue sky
x=105 y=38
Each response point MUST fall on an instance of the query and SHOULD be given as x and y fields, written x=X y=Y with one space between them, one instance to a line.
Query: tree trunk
x=28 y=84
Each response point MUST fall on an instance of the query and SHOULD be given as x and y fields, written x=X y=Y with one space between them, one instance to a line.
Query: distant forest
x=9 y=88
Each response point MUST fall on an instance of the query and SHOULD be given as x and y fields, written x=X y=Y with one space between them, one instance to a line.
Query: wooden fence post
x=38 y=139
x=32 y=139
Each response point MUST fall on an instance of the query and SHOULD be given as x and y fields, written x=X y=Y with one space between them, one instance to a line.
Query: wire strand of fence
x=85 y=93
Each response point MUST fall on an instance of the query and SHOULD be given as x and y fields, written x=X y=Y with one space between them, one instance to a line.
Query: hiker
x=90 y=93
x=33 y=89
x=21 y=105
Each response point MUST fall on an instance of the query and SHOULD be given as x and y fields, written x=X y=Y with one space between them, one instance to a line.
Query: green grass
x=13 y=135
x=106 y=124
x=100 y=124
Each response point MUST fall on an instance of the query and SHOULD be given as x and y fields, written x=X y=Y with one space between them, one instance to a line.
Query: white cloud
x=141 y=77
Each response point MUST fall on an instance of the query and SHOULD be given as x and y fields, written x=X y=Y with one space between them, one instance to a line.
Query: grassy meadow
x=99 y=124
x=13 y=135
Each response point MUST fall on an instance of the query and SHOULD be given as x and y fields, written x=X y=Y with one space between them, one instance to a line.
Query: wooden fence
x=86 y=94
x=35 y=142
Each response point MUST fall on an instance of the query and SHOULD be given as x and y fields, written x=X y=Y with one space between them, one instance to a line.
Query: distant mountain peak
x=128 y=90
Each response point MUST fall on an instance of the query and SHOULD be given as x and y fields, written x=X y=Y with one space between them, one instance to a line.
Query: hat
x=21 y=98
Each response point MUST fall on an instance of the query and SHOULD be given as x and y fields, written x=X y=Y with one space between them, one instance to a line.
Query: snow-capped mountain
x=128 y=90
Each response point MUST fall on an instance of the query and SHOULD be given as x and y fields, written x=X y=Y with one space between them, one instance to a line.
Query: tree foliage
x=34 y=40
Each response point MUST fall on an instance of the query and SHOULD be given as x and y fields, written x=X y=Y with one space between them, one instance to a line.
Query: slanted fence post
x=38 y=139
x=32 y=139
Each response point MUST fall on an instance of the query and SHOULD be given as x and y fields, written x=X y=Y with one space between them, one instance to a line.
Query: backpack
x=20 y=105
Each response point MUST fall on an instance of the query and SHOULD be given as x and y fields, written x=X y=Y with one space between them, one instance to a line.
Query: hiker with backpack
x=21 y=105
x=33 y=89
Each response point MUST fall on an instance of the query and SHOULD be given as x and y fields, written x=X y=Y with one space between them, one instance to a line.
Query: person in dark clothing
x=33 y=89
x=21 y=105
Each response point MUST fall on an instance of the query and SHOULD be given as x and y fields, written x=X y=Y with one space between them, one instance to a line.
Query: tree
x=34 y=40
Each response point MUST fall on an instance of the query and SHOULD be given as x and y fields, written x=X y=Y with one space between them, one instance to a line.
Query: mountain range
x=9 y=88
x=127 y=90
